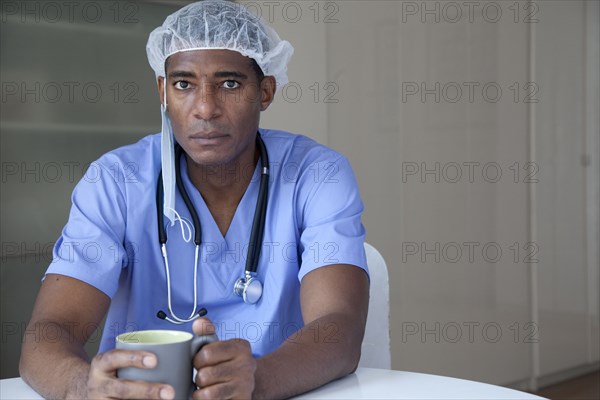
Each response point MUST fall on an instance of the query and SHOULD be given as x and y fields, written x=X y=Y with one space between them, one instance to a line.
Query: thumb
x=203 y=326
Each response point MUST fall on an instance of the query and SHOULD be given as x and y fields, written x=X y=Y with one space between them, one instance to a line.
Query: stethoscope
x=249 y=286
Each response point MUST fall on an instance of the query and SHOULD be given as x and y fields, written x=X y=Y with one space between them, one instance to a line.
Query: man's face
x=214 y=100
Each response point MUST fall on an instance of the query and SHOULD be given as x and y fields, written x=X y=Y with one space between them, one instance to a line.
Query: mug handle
x=199 y=341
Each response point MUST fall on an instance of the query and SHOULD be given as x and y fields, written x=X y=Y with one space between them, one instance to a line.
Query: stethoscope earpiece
x=163 y=315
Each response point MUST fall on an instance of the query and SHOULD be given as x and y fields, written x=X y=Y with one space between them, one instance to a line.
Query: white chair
x=376 y=343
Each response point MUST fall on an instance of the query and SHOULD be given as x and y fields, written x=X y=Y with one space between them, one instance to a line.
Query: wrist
x=77 y=388
x=267 y=379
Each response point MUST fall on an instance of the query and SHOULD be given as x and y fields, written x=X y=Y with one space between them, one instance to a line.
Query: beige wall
x=525 y=316
x=354 y=67
x=446 y=306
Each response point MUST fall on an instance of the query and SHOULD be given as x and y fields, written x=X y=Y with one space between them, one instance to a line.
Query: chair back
x=376 y=351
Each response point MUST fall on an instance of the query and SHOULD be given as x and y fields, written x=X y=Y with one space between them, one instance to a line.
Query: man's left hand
x=225 y=368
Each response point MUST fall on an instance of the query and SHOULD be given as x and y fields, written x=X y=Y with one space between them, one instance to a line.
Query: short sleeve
x=331 y=227
x=91 y=246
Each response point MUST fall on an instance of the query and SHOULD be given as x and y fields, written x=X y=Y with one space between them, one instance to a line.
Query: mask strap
x=168 y=163
x=165 y=93
x=187 y=228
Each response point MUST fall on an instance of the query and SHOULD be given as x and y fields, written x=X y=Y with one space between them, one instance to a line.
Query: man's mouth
x=208 y=138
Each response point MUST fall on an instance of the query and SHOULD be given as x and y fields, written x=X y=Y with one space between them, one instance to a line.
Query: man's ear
x=268 y=86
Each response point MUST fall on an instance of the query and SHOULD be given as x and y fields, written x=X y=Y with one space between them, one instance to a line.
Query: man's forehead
x=208 y=59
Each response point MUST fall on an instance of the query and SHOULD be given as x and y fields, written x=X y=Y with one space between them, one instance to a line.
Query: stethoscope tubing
x=256 y=233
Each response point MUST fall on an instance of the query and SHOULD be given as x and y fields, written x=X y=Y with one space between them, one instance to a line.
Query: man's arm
x=335 y=302
x=53 y=358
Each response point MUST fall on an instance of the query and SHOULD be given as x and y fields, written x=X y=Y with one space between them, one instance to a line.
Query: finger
x=222 y=351
x=240 y=367
x=124 y=389
x=203 y=326
x=112 y=360
x=213 y=375
x=219 y=391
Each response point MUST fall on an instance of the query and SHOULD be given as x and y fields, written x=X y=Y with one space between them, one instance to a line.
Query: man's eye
x=182 y=85
x=231 y=84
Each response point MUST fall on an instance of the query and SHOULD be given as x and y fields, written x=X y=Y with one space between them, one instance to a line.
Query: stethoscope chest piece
x=249 y=288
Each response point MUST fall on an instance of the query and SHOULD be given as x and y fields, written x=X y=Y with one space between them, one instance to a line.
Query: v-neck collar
x=238 y=232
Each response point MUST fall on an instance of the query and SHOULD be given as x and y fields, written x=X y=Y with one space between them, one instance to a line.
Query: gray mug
x=174 y=352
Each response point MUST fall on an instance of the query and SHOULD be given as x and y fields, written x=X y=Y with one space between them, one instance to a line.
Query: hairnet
x=219 y=24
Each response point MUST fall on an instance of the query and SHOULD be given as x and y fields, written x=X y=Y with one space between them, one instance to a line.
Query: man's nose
x=208 y=103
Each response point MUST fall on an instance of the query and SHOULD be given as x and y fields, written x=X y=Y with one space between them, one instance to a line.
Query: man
x=218 y=67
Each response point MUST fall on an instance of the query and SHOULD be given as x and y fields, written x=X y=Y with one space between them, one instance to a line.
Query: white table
x=369 y=383
x=366 y=383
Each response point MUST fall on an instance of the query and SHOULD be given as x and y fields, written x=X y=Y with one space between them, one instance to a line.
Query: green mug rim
x=175 y=337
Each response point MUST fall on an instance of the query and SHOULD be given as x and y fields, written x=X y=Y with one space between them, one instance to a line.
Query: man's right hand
x=103 y=383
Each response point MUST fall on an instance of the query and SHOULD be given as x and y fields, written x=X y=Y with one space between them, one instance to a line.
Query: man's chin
x=207 y=161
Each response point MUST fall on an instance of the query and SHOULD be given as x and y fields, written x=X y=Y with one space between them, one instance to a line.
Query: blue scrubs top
x=111 y=241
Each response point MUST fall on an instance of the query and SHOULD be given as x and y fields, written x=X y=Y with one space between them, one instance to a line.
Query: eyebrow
x=181 y=74
x=219 y=74
x=233 y=74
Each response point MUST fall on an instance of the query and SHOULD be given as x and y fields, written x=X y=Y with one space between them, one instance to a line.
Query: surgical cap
x=219 y=24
